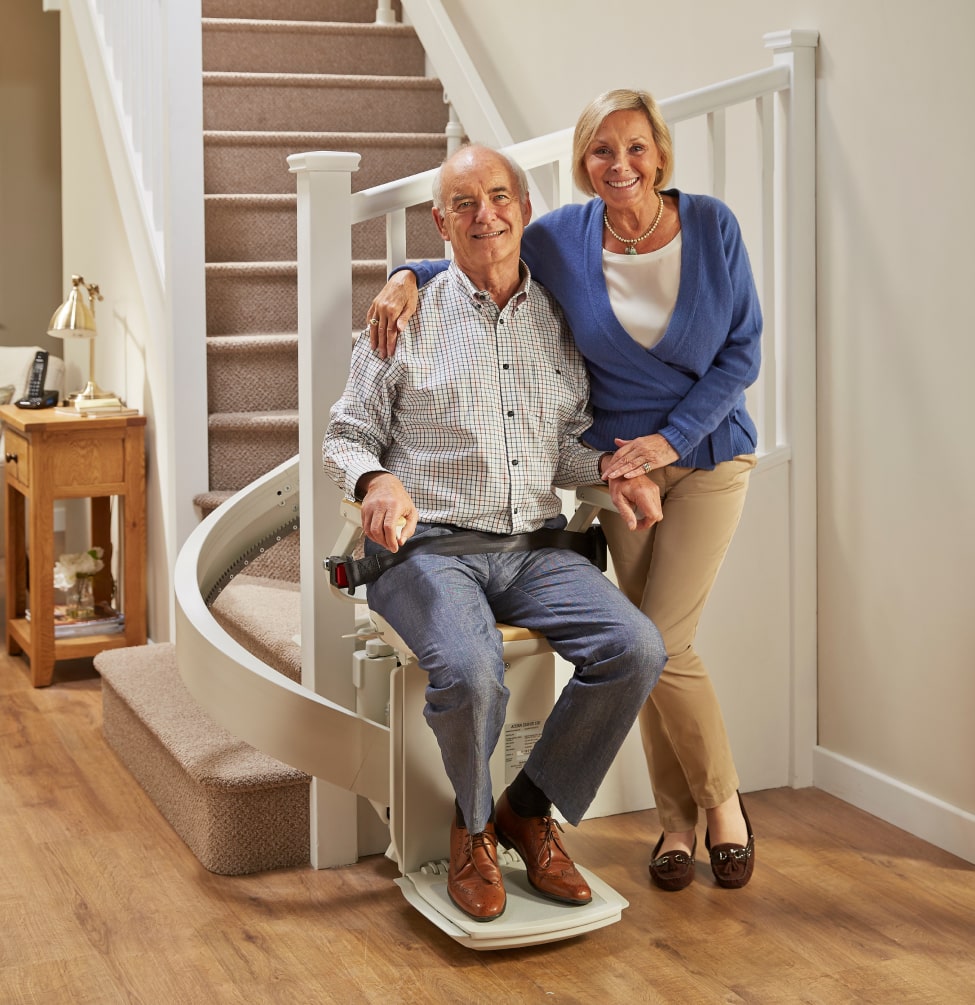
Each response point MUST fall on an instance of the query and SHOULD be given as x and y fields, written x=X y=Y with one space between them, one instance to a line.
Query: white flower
x=68 y=568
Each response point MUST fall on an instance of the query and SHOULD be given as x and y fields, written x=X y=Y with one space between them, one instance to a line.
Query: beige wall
x=30 y=176
x=896 y=206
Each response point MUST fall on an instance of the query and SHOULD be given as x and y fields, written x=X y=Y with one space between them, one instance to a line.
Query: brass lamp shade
x=76 y=319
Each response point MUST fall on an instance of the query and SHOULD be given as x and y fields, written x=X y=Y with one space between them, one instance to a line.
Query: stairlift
x=421 y=798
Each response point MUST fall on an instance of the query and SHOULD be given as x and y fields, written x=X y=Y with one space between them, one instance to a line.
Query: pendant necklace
x=632 y=242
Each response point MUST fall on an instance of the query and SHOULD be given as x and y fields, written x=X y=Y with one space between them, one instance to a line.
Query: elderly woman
x=659 y=294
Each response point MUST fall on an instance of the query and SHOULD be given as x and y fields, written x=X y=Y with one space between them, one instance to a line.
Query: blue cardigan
x=690 y=386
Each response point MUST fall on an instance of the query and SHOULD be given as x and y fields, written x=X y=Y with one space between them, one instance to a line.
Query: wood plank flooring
x=100 y=902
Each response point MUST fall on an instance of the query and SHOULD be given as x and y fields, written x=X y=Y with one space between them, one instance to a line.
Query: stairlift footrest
x=528 y=918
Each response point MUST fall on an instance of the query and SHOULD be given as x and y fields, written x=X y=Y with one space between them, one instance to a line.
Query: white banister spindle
x=324 y=181
x=717 y=153
x=385 y=13
x=454 y=131
x=766 y=391
x=395 y=240
x=796 y=336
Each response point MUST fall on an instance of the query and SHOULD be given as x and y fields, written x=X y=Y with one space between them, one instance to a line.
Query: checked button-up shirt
x=479 y=412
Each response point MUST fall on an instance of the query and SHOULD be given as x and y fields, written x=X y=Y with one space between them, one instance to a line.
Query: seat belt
x=346 y=572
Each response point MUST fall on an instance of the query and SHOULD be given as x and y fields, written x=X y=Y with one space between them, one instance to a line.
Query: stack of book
x=96 y=406
x=105 y=620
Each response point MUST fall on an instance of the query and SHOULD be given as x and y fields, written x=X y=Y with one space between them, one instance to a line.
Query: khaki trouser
x=668 y=572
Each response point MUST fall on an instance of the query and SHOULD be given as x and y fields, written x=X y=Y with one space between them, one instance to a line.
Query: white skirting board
x=914 y=811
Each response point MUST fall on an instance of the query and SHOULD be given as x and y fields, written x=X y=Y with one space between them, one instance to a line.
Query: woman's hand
x=395 y=304
x=388 y=514
x=639 y=457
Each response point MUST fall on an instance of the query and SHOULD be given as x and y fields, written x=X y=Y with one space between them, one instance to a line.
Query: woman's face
x=622 y=161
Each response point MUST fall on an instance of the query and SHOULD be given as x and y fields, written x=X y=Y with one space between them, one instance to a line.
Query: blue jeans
x=445 y=608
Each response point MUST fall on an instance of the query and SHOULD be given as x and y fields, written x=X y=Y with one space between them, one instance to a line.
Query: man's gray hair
x=517 y=172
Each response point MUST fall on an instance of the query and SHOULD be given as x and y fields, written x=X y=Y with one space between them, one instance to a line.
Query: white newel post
x=796 y=334
x=324 y=349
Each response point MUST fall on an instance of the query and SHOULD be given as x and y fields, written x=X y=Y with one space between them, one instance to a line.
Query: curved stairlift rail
x=244 y=694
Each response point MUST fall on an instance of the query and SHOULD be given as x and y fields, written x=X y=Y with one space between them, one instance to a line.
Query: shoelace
x=489 y=844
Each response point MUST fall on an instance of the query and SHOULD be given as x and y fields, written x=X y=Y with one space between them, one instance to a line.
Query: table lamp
x=76 y=319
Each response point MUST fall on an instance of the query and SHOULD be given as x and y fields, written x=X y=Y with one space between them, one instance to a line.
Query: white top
x=643 y=290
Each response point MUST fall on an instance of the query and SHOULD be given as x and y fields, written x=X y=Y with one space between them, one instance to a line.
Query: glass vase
x=81 y=599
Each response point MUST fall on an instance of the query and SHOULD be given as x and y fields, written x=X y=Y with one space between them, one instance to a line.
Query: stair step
x=251 y=228
x=237 y=809
x=263 y=614
x=251 y=297
x=298 y=10
x=245 y=445
x=251 y=373
x=231 y=44
x=246 y=161
x=337 y=102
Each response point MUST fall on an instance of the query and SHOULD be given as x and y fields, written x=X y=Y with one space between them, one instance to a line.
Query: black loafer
x=673 y=870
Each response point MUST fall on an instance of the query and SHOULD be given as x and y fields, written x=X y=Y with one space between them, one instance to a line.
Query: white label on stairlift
x=519 y=738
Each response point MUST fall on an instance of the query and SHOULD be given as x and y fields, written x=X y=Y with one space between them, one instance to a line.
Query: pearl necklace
x=632 y=242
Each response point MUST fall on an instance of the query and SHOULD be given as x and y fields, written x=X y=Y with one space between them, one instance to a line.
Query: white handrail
x=454 y=68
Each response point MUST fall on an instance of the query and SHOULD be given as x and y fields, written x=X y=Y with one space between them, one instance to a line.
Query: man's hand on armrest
x=388 y=314
x=637 y=500
x=388 y=514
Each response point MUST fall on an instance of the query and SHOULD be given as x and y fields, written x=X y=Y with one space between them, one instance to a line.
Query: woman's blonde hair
x=623 y=99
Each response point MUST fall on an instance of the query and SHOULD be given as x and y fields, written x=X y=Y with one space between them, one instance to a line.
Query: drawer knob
x=11 y=458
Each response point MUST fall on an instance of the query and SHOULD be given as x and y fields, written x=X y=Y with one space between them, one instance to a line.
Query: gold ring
x=374 y=321
x=646 y=468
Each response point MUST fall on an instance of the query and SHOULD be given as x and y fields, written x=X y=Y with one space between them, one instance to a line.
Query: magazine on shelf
x=106 y=621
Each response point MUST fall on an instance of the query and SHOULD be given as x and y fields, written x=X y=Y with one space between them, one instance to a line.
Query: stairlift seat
x=422 y=800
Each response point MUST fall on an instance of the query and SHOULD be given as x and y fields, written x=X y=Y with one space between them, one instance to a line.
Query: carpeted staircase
x=280 y=77
x=272 y=87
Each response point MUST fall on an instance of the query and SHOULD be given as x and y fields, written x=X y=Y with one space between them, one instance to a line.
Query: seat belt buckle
x=338 y=575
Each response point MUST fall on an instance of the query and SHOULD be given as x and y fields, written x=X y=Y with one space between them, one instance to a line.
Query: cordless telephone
x=37 y=396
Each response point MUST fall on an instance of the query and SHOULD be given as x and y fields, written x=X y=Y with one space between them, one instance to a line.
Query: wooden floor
x=100 y=902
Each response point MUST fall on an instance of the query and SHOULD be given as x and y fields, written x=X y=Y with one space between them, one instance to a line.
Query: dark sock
x=527 y=799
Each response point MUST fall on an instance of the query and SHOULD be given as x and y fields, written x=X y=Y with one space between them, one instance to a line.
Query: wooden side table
x=51 y=455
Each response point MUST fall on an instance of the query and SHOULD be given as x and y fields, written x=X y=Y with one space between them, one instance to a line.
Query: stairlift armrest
x=590 y=499
x=350 y=537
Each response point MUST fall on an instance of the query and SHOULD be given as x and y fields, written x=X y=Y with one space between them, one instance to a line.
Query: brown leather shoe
x=536 y=839
x=474 y=880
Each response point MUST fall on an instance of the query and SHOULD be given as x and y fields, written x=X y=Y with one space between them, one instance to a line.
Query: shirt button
x=504 y=366
x=510 y=414
x=515 y=461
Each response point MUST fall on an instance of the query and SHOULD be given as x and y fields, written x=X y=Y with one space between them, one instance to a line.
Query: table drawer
x=16 y=451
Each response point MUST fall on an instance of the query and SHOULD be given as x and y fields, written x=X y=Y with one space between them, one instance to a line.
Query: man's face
x=483 y=218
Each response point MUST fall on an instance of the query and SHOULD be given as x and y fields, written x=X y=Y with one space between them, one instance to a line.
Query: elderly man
x=468 y=428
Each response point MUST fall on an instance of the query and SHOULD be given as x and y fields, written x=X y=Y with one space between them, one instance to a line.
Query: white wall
x=895 y=343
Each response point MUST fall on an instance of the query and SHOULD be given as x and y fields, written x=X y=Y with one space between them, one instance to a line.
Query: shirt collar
x=479 y=297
